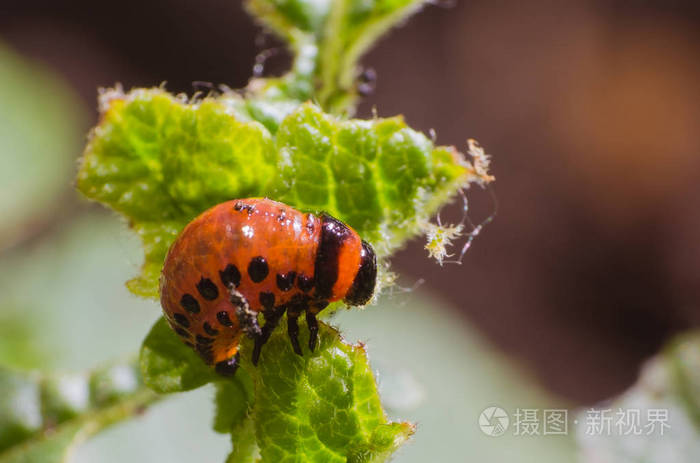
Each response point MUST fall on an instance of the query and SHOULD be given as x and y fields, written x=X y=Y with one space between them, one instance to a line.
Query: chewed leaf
x=160 y=161
x=322 y=407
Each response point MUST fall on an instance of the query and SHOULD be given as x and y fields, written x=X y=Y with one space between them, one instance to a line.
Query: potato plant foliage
x=160 y=159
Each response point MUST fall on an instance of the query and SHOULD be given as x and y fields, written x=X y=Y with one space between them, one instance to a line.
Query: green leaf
x=245 y=445
x=160 y=162
x=231 y=413
x=43 y=417
x=379 y=176
x=234 y=403
x=168 y=365
x=320 y=407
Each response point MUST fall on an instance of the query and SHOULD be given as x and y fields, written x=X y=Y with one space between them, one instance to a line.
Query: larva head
x=365 y=281
x=345 y=265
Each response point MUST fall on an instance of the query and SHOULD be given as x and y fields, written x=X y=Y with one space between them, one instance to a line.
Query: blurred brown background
x=591 y=110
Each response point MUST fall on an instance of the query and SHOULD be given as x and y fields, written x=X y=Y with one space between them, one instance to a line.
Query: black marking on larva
x=182 y=332
x=366 y=278
x=305 y=283
x=204 y=348
x=267 y=313
x=320 y=305
x=286 y=282
x=189 y=303
x=205 y=352
x=334 y=233
x=297 y=304
x=267 y=299
x=181 y=320
x=207 y=289
x=240 y=206
x=282 y=216
x=223 y=318
x=258 y=269
x=209 y=330
x=230 y=276
x=203 y=339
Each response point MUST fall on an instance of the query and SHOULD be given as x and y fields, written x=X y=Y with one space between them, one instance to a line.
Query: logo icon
x=494 y=421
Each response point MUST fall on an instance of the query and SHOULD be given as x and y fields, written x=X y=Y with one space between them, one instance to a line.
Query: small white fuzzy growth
x=107 y=95
x=440 y=237
x=480 y=162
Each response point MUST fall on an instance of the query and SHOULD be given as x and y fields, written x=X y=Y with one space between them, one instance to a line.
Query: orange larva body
x=243 y=257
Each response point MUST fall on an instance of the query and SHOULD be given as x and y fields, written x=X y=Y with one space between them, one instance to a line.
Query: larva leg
x=293 y=331
x=272 y=318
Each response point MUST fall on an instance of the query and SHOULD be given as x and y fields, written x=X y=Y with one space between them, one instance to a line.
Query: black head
x=362 y=287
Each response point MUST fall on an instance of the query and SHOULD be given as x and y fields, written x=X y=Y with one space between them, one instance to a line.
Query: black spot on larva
x=230 y=276
x=189 y=303
x=267 y=299
x=203 y=339
x=257 y=269
x=204 y=348
x=209 y=330
x=281 y=216
x=305 y=283
x=239 y=206
x=207 y=289
x=205 y=352
x=182 y=332
x=182 y=320
x=286 y=282
x=223 y=318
